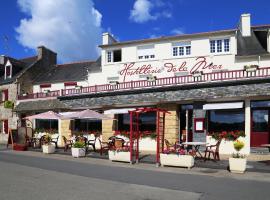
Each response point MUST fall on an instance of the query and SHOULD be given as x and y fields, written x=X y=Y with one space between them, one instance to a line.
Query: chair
x=170 y=146
x=55 y=139
x=92 y=141
x=67 y=143
x=212 y=150
x=104 y=146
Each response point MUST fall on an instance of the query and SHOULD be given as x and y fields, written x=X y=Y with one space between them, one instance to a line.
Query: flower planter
x=48 y=148
x=78 y=152
x=119 y=156
x=176 y=160
x=237 y=165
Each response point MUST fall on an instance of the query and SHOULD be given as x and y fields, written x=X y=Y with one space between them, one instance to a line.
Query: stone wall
x=65 y=130
x=171 y=122
x=7 y=114
x=107 y=128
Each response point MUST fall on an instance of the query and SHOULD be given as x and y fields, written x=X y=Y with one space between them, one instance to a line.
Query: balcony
x=197 y=78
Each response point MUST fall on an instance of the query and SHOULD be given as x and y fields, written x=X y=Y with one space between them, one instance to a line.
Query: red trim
x=200 y=120
x=45 y=85
x=6 y=126
x=70 y=84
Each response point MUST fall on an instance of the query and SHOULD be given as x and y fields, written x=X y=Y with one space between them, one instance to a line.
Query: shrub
x=79 y=144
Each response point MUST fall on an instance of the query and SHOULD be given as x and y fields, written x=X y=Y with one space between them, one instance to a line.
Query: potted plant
x=251 y=68
x=119 y=154
x=47 y=146
x=180 y=158
x=8 y=104
x=238 y=162
x=78 y=149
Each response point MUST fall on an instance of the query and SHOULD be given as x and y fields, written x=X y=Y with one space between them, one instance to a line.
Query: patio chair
x=67 y=143
x=92 y=141
x=212 y=150
x=55 y=140
x=169 y=146
x=104 y=146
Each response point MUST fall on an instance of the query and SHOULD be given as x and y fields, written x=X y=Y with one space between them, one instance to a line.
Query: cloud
x=70 y=28
x=143 y=11
x=178 y=31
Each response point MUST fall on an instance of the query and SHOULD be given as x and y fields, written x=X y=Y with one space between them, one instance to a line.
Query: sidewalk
x=256 y=170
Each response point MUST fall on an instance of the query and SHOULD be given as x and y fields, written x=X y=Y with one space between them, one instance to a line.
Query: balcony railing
x=168 y=81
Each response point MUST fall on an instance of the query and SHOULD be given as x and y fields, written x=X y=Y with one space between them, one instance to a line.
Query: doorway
x=186 y=119
x=260 y=127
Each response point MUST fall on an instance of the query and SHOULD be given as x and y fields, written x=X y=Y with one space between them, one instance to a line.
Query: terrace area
x=194 y=79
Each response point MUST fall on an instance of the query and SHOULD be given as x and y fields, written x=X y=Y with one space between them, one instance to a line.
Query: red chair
x=104 y=146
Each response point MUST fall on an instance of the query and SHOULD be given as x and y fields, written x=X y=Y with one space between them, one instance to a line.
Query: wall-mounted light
x=251 y=68
x=197 y=74
x=113 y=82
x=78 y=87
x=151 y=78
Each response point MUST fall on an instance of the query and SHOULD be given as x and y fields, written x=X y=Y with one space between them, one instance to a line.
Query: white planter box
x=119 y=156
x=237 y=165
x=78 y=152
x=176 y=160
x=48 y=148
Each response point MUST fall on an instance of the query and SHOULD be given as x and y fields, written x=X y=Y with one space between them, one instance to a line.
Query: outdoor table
x=196 y=146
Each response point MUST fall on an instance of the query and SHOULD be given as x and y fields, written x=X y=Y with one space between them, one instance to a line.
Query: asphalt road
x=27 y=177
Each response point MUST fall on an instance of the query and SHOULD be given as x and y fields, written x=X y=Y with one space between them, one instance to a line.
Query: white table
x=196 y=146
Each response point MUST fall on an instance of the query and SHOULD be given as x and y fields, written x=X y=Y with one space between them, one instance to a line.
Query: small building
x=16 y=78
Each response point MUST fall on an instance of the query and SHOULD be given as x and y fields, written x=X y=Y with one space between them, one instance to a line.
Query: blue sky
x=73 y=28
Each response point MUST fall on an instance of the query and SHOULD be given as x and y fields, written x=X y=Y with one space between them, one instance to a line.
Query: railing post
x=61 y=92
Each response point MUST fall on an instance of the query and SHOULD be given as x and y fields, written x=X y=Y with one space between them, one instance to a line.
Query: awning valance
x=220 y=106
x=118 y=111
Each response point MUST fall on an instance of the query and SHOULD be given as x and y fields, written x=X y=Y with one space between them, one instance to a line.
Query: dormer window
x=114 y=56
x=8 y=70
x=146 y=52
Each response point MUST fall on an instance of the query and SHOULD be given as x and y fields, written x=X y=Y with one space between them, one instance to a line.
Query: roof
x=179 y=37
x=18 y=67
x=75 y=71
x=40 y=105
x=256 y=44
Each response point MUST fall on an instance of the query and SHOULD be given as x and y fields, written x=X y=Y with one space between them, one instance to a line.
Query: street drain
x=209 y=171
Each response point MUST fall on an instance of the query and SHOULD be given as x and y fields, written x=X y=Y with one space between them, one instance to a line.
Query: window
x=212 y=46
x=114 y=56
x=4 y=95
x=84 y=125
x=47 y=124
x=147 y=122
x=175 y=51
x=181 y=48
x=8 y=71
x=219 y=46
x=188 y=50
x=226 y=120
x=45 y=87
x=70 y=85
x=109 y=56
x=146 y=52
x=260 y=121
x=226 y=45
x=4 y=126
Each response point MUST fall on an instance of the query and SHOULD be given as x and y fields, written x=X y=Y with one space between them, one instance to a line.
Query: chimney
x=107 y=39
x=47 y=56
x=244 y=25
x=2 y=59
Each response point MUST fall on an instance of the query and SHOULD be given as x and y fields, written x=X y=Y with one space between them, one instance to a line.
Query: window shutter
x=6 y=95
x=6 y=126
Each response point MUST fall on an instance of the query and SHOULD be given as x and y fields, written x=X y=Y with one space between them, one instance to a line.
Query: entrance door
x=260 y=127
x=186 y=118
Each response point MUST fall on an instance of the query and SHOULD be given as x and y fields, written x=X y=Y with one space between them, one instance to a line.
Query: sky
x=73 y=28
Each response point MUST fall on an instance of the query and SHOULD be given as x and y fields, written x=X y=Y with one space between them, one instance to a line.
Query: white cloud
x=143 y=11
x=70 y=28
x=178 y=31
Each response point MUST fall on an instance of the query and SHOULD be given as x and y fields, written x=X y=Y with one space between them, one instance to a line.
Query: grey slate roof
x=18 y=67
x=254 y=45
x=76 y=71
x=40 y=105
